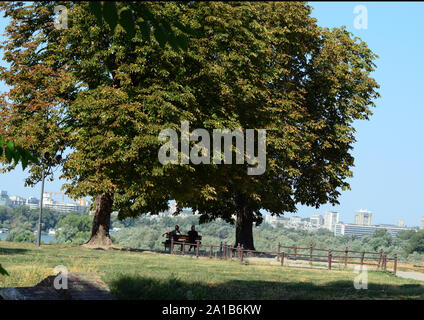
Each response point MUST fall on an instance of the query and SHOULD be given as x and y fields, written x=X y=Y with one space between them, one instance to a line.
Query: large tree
x=82 y=88
x=269 y=65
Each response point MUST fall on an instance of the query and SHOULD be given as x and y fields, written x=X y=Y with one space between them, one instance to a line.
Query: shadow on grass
x=134 y=250
x=12 y=251
x=137 y=287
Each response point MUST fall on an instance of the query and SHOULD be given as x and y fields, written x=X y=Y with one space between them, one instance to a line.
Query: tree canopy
x=416 y=242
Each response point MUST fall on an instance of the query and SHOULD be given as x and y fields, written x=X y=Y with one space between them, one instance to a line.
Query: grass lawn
x=147 y=275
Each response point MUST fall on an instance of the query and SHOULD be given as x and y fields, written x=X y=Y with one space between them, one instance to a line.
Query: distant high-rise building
x=48 y=202
x=363 y=217
x=362 y=230
x=33 y=203
x=295 y=219
x=4 y=198
x=400 y=223
x=331 y=219
x=270 y=219
x=422 y=223
x=16 y=201
x=316 y=220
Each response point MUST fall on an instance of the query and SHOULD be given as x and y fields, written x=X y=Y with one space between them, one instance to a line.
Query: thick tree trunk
x=244 y=224
x=100 y=231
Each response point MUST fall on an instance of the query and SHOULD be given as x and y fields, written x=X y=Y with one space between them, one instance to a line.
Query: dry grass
x=149 y=275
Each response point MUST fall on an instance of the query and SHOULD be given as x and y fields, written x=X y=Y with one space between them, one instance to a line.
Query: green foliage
x=28 y=218
x=274 y=68
x=74 y=230
x=71 y=227
x=81 y=223
x=20 y=234
x=405 y=234
x=105 y=95
x=66 y=234
x=81 y=238
x=26 y=236
x=16 y=153
x=131 y=16
x=145 y=233
x=416 y=242
x=381 y=239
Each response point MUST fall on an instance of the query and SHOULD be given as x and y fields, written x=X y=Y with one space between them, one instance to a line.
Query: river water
x=44 y=238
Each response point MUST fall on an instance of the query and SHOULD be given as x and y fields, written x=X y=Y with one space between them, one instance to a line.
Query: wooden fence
x=328 y=256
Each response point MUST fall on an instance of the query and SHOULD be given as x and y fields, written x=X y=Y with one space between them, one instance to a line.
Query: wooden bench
x=180 y=238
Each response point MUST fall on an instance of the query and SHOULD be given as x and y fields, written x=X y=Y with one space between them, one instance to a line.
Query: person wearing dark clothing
x=174 y=234
x=192 y=237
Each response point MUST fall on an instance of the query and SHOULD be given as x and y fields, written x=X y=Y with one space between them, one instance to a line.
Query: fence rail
x=230 y=252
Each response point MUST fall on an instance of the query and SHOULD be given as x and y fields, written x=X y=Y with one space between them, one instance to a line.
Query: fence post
x=183 y=247
x=197 y=248
x=238 y=251
x=282 y=258
x=220 y=249
x=382 y=262
x=241 y=254
x=310 y=254
x=278 y=251
x=231 y=253
x=385 y=262
x=346 y=256
x=379 y=259
x=362 y=260
x=210 y=252
x=395 y=264
x=295 y=252
x=171 y=247
x=225 y=250
x=329 y=259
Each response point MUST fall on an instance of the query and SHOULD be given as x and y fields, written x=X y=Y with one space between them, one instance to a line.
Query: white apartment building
x=331 y=219
x=295 y=219
x=62 y=206
x=33 y=203
x=16 y=201
x=272 y=220
x=4 y=198
x=316 y=220
x=363 y=218
x=361 y=230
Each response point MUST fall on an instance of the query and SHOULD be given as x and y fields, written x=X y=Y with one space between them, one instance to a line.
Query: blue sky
x=389 y=150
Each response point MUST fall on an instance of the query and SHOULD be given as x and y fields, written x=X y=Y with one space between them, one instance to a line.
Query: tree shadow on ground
x=4 y=251
x=135 y=250
x=138 y=287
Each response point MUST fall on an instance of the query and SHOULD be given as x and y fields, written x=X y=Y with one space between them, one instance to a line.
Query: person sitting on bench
x=192 y=237
x=174 y=234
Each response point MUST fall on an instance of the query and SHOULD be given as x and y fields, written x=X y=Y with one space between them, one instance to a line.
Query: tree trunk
x=244 y=224
x=100 y=231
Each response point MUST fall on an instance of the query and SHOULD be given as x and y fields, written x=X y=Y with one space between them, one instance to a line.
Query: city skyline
x=418 y=224
x=49 y=202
